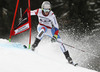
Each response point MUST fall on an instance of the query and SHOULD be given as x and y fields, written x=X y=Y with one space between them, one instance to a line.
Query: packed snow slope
x=14 y=58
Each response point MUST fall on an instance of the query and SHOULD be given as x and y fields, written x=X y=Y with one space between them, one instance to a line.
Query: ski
x=25 y=46
x=74 y=64
x=28 y=48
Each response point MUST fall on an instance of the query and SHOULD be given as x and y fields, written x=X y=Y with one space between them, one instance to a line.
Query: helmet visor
x=46 y=10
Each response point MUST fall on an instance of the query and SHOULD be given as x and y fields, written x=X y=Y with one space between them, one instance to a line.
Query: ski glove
x=54 y=38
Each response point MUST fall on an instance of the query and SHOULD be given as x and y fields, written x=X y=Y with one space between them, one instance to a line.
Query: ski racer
x=48 y=26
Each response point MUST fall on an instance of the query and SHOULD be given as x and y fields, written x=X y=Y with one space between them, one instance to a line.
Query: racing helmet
x=46 y=6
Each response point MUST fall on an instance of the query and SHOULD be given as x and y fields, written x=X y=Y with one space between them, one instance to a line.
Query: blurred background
x=79 y=22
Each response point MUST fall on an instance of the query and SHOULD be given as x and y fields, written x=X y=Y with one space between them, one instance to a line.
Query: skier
x=48 y=26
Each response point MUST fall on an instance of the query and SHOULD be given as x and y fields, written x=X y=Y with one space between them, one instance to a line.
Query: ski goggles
x=46 y=10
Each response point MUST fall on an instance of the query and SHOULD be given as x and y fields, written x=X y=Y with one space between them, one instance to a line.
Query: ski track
x=14 y=58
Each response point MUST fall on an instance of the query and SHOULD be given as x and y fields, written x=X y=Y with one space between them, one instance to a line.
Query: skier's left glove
x=54 y=38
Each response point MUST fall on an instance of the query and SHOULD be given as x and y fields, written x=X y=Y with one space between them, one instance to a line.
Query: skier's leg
x=65 y=52
x=41 y=31
x=50 y=33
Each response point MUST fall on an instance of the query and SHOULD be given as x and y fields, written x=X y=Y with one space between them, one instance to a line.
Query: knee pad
x=43 y=28
x=40 y=34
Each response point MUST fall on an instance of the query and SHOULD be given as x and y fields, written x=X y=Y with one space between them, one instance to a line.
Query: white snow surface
x=14 y=58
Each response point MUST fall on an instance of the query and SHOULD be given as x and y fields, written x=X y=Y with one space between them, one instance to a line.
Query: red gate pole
x=29 y=8
x=13 y=20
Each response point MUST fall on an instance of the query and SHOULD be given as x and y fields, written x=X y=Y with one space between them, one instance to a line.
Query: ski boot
x=35 y=44
x=70 y=61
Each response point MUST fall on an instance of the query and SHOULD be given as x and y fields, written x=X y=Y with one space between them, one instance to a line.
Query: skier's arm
x=34 y=12
x=55 y=24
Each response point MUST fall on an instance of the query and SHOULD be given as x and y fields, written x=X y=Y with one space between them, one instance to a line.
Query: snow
x=14 y=58
x=97 y=24
x=96 y=29
x=92 y=3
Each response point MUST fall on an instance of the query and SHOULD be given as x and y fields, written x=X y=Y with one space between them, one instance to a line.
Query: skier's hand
x=54 y=38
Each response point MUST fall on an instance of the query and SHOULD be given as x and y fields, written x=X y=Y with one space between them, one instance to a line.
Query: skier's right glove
x=54 y=38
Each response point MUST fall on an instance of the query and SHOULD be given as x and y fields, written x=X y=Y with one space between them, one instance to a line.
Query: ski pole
x=79 y=49
x=70 y=46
